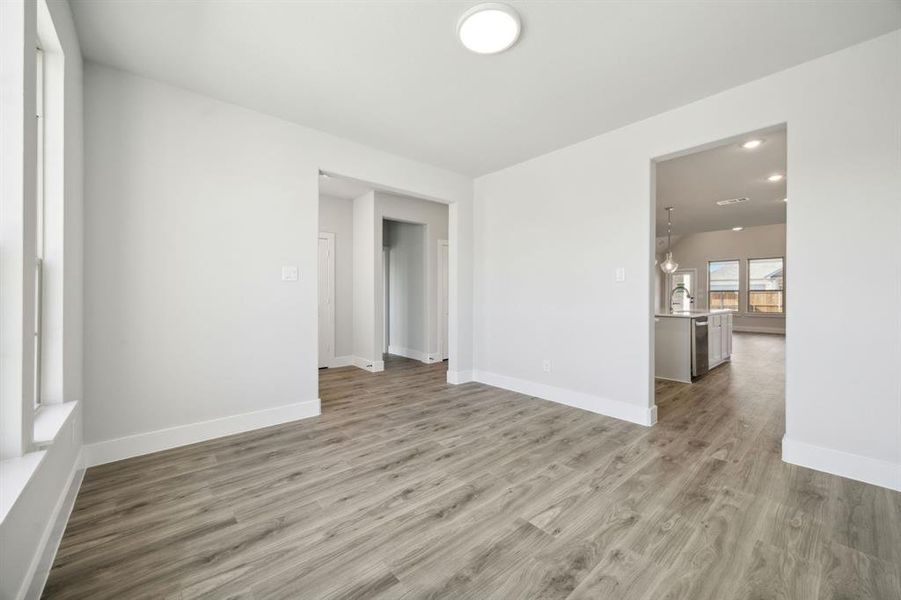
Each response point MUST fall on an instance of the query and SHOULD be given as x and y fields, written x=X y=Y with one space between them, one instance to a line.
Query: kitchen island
x=687 y=344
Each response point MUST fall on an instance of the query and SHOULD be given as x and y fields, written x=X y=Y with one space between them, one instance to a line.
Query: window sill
x=16 y=473
x=49 y=420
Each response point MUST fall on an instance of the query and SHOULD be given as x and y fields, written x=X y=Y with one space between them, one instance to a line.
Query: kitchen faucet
x=681 y=287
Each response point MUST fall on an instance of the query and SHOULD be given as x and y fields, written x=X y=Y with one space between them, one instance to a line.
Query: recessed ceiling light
x=775 y=177
x=785 y=199
x=737 y=228
x=751 y=144
x=489 y=28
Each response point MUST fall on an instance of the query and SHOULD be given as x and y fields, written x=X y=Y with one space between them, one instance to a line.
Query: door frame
x=443 y=302
x=330 y=328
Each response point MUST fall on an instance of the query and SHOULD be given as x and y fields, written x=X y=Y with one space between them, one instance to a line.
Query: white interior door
x=442 y=299
x=326 y=299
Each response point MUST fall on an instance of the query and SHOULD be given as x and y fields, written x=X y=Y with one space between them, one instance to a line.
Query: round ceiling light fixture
x=775 y=177
x=751 y=144
x=489 y=28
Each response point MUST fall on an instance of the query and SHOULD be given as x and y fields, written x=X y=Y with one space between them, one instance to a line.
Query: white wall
x=336 y=216
x=407 y=261
x=25 y=530
x=192 y=207
x=696 y=250
x=550 y=232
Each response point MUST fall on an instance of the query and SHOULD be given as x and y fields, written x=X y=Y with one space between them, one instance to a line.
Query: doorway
x=720 y=277
x=405 y=276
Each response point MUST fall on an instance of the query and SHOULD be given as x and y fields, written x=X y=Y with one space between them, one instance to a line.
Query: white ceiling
x=694 y=183
x=392 y=74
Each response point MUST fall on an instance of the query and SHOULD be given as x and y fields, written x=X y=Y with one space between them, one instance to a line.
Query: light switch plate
x=289 y=273
x=620 y=274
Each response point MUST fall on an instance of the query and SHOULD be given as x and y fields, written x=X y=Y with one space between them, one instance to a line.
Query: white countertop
x=693 y=314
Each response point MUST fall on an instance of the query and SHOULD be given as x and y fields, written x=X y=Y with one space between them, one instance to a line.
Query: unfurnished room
x=315 y=299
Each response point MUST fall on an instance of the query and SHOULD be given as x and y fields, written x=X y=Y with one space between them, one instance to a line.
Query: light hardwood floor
x=407 y=487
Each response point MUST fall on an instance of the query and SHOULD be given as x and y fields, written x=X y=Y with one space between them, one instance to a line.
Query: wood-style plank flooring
x=407 y=487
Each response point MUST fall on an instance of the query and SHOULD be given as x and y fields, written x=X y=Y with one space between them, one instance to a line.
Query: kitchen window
x=766 y=285
x=722 y=285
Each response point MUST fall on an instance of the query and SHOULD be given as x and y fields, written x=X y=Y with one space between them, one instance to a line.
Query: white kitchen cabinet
x=719 y=341
x=675 y=343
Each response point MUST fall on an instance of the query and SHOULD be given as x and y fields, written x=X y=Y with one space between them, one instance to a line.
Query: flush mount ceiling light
x=751 y=144
x=785 y=199
x=775 y=177
x=737 y=228
x=489 y=28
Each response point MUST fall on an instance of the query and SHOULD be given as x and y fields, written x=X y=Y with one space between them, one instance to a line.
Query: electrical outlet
x=620 y=274
x=546 y=366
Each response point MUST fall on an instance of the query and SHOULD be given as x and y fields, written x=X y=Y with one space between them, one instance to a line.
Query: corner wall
x=192 y=207
x=550 y=232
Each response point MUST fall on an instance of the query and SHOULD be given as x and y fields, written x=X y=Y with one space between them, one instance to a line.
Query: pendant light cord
x=669 y=228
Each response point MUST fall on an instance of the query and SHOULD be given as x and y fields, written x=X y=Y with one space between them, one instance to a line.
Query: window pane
x=765 y=285
x=724 y=275
x=722 y=285
x=765 y=302
x=720 y=300
x=765 y=274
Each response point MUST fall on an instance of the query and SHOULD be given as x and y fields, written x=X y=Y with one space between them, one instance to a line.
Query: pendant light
x=668 y=265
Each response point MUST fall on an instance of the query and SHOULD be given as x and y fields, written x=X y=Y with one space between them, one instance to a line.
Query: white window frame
x=40 y=196
x=748 y=310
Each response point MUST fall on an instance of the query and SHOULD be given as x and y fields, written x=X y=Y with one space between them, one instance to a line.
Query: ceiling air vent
x=732 y=201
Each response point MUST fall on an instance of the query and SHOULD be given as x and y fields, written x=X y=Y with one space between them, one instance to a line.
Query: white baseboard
x=458 y=377
x=755 y=329
x=163 y=439
x=341 y=361
x=410 y=353
x=373 y=366
x=33 y=584
x=844 y=464
x=643 y=415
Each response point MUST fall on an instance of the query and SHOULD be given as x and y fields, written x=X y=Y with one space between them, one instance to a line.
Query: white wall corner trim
x=163 y=439
x=458 y=377
x=844 y=464
x=373 y=366
x=34 y=581
x=596 y=404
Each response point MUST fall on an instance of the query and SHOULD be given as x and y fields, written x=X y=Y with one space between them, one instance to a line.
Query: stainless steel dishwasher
x=699 y=362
